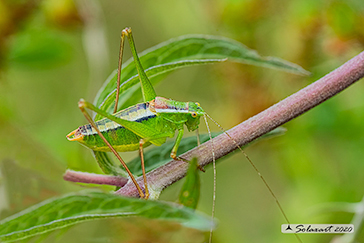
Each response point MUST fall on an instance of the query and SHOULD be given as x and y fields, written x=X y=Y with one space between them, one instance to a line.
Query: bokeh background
x=54 y=52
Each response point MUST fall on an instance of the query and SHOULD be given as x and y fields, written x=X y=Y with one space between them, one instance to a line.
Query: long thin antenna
x=256 y=169
x=214 y=169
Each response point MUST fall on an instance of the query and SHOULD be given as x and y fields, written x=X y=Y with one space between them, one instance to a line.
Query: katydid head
x=193 y=119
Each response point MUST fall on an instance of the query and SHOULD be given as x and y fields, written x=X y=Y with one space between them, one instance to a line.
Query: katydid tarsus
x=143 y=124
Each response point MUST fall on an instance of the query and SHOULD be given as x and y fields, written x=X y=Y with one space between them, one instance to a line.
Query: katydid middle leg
x=141 y=154
x=175 y=148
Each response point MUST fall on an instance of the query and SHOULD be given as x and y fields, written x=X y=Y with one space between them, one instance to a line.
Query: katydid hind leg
x=140 y=129
x=121 y=50
x=148 y=91
x=83 y=105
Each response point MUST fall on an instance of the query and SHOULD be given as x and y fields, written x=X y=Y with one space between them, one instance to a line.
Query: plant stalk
x=84 y=177
x=251 y=129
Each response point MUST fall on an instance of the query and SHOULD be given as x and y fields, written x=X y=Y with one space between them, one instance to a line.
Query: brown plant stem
x=256 y=126
x=84 y=177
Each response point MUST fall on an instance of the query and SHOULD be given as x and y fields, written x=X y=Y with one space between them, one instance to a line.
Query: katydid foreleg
x=176 y=144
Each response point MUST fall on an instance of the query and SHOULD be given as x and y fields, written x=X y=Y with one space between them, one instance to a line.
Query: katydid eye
x=194 y=114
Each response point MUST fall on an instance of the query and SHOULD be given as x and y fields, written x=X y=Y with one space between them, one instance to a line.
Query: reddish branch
x=249 y=130
x=84 y=177
x=258 y=125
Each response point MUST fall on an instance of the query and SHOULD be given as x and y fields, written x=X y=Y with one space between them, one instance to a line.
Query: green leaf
x=108 y=91
x=185 y=51
x=190 y=191
x=107 y=165
x=39 y=48
x=79 y=207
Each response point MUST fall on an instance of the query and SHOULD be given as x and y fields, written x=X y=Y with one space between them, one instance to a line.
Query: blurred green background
x=54 y=52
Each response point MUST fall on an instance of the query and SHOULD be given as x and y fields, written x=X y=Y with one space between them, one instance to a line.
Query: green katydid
x=138 y=126
x=143 y=124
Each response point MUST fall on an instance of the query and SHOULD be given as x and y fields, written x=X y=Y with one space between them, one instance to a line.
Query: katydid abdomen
x=118 y=136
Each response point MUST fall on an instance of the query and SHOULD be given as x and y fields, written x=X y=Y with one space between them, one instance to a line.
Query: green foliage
x=107 y=165
x=79 y=207
x=130 y=92
x=39 y=48
x=181 y=52
x=190 y=191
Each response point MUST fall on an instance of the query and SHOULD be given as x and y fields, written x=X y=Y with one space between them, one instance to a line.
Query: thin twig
x=84 y=177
